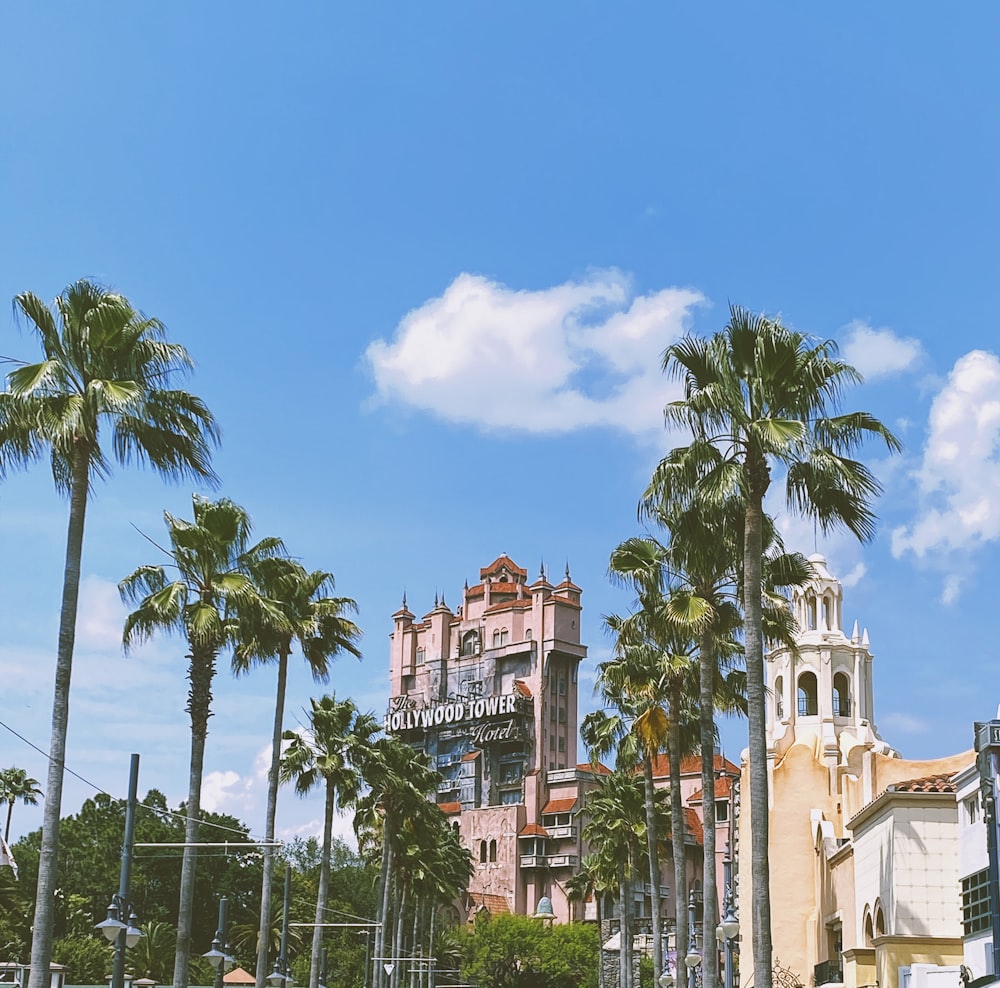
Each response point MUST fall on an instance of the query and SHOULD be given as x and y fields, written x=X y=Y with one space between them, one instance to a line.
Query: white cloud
x=951 y=589
x=581 y=354
x=100 y=615
x=880 y=352
x=855 y=576
x=217 y=791
x=904 y=723
x=959 y=476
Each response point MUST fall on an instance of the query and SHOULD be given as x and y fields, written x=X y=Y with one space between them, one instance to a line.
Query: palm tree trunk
x=413 y=952
x=384 y=918
x=710 y=894
x=653 y=847
x=41 y=940
x=10 y=810
x=431 y=922
x=263 y=941
x=397 y=945
x=753 y=639
x=677 y=828
x=324 y=886
x=626 y=929
x=201 y=671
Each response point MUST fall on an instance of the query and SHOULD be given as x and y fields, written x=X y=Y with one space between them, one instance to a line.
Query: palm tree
x=15 y=784
x=104 y=365
x=320 y=625
x=757 y=396
x=328 y=752
x=208 y=600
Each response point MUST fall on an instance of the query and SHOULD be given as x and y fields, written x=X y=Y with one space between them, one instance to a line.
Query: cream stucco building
x=864 y=843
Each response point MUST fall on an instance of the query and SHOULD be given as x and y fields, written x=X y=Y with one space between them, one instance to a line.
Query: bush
x=88 y=959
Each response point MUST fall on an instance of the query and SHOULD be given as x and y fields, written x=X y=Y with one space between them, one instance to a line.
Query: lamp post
x=279 y=976
x=367 y=933
x=729 y=928
x=121 y=926
x=693 y=958
x=219 y=956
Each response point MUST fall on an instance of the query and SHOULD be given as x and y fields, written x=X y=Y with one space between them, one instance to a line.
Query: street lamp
x=693 y=958
x=727 y=930
x=219 y=956
x=281 y=975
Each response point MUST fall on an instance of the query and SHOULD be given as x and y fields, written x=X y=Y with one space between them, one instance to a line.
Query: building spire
x=567 y=572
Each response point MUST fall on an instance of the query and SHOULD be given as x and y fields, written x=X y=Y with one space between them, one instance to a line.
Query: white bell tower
x=825 y=688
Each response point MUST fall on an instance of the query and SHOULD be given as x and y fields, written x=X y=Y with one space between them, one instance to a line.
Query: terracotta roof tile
x=559 y=805
x=509 y=605
x=496 y=904
x=692 y=824
x=449 y=809
x=522 y=687
x=498 y=564
x=941 y=783
x=597 y=769
x=723 y=787
x=691 y=765
x=533 y=830
x=470 y=756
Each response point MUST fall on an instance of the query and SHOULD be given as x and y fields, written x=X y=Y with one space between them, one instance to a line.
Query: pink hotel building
x=489 y=692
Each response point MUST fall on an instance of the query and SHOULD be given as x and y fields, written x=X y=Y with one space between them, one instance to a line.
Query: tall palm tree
x=759 y=396
x=16 y=784
x=105 y=365
x=329 y=753
x=206 y=602
x=319 y=623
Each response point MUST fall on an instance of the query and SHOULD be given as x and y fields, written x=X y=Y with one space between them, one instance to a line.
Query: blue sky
x=427 y=257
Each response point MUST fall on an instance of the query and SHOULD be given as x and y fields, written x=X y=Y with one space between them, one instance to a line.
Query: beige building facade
x=864 y=843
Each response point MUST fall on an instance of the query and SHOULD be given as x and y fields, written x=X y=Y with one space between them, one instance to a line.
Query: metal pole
x=692 y=944
x=987 y=743
x=220 y=935
x=118 y=968
x=283 y=955
x=368 y=937
x=727 y=943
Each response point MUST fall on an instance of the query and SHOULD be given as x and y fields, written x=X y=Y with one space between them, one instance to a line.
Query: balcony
x=562 y=833
x=828 y=973
x=646 y=888
x=563 y=860
x=448 y=785
x=534 y=861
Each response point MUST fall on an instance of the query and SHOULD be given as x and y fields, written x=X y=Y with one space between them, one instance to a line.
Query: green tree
x=328 y=753
x=758 y=395
x=206 y=603
x=104 y=364
x=87 y=958
x=16 y=784
x=521 y=952
x=321 y=626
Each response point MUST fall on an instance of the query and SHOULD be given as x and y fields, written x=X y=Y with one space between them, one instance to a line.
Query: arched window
x=455 y=827
x=779 y=698
x=811 y=613
x=879 y=921
x=841 y=695
x=869 y=931
x=482 y=852
x=493 y=850
x=503 y=636
x=496 y=639
x=527 y=634
x=808 y=707
x=470 y=643
x=828 y=613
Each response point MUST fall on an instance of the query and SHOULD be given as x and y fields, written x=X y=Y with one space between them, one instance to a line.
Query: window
x=493 y=850
x=552 y=742
x=562 y=744
x=779 y=699
x=421 y=655
x=971 y=807
x=841 y=695
x=470 y=643
x=562 y=687
x=721 y=810
x=482 y=852
x=496 y=639
x=976 y=902
x=503 y=636
x=562 y=715
x=527 y=634
x=811 y=613
x=827 y=613
x=552 y=714
x=879 y=922
x=808 y=706
x=510 y=773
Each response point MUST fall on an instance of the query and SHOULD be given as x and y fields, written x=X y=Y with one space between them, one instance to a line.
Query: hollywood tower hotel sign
x=489 y=692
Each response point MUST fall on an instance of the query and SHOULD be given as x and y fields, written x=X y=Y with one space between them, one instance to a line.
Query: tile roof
x=522 y=604
x=495 y=904
x=691 y=765
x=471 y=756
x=559 y=805
x=238 y=977
x=692 y=824
x=522 y=688
x=449 y=809
x=941 y=783
x=499 y=563
x=723 y=787
x=533 y=830
x=597 y=769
